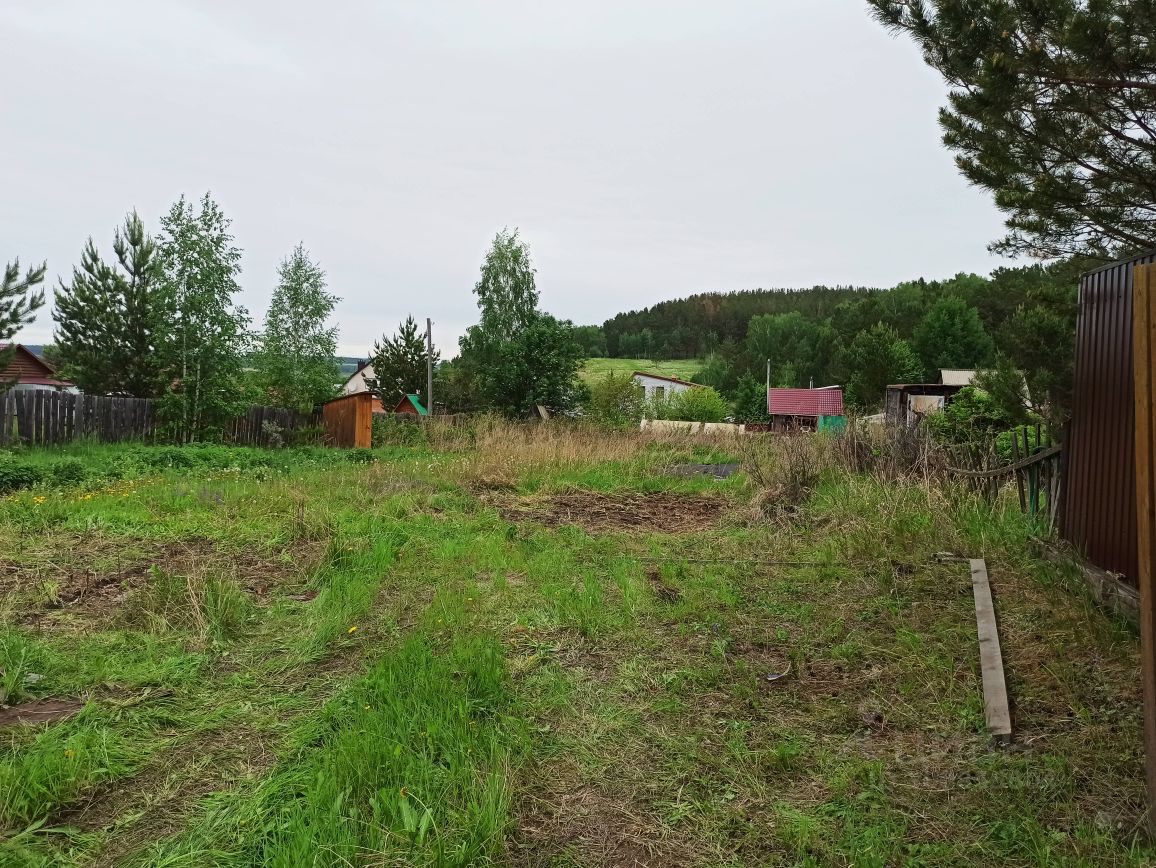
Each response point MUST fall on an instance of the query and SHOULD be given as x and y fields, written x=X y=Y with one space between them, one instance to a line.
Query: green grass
x=683 y=369
x=294 y=658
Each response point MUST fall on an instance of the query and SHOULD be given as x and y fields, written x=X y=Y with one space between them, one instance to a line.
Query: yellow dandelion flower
x=70 y=753
x=351 y=630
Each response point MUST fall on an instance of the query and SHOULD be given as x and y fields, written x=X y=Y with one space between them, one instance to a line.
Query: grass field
x=535 y=646
x=684 y=369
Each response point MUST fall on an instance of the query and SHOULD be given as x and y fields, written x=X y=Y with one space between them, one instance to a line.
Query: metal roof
x=956 y=376
x=667 y=379
x=827 y=401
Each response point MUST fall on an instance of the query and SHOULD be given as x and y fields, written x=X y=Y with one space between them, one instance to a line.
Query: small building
x=906 y=404
x=805 y=409
x=356 y=384
x=956 y=376
x=658 y=387
x=27 y=371
x=412 y=405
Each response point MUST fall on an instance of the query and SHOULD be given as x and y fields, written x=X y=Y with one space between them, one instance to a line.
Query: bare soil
x=655 y=512
x=39 y=711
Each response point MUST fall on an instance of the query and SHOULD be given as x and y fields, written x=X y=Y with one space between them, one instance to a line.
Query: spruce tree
x=204 y=348
x=296 y=362
x=107 y=318
x=1052 y=108
x=19 y=301
x=399 y=364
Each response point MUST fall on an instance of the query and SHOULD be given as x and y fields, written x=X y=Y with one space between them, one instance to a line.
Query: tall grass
x=408 y=765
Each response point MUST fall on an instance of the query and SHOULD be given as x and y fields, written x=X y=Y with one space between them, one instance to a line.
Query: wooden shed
x=349 y=421
x=412 y=405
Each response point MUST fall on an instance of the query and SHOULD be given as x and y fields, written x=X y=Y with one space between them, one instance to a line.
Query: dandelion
x=70 y=753
x=351 y=630
x=367 y=708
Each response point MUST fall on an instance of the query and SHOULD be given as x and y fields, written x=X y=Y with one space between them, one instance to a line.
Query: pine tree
x=399 y=364
x=1052 y=108
x=296 y=362
x=875 y=359
x=107 y=319
x=19 y=301
x=205 y=346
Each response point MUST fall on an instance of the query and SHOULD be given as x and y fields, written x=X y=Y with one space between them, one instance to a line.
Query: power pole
x=429 y=366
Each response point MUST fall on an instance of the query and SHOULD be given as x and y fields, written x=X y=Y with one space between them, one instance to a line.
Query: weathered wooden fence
x=38 y=417
x=1036 y=466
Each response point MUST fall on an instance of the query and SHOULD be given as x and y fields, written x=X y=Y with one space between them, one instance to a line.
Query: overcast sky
x=646 y=149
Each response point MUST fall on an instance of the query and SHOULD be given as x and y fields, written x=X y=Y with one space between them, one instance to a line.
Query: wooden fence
x=1035 y=468
x=38 y=417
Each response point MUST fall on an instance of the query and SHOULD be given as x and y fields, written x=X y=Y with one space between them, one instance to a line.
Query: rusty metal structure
x=1099 y=498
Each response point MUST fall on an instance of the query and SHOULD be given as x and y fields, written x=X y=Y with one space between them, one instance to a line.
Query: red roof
x=27 y=369
x=805 y=402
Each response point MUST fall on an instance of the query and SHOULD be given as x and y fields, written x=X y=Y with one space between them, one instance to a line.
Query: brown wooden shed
x=349 y=421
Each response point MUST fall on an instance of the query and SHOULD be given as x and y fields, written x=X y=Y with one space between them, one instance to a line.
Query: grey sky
x=647 y=149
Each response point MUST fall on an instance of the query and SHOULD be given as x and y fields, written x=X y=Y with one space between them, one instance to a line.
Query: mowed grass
x=534 y=646
x=684 y=369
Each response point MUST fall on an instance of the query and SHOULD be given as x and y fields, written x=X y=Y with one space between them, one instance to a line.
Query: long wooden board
x=995 y=704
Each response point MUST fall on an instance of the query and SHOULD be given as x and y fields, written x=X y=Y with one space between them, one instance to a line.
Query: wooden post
x=1143 y=346
x=429 y=366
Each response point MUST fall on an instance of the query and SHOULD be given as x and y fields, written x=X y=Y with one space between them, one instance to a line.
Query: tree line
x=159 y=319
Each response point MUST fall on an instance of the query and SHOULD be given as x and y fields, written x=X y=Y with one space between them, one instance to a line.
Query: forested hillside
x=864 y=338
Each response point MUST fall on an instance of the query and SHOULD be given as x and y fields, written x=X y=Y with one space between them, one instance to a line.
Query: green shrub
x=360 y=456
x=16 y=474
x=702 y=404
x=616 y=401
x=68 y=472
x=391 y=430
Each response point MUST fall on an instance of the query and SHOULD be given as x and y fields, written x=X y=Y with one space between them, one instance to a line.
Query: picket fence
x=43 y=418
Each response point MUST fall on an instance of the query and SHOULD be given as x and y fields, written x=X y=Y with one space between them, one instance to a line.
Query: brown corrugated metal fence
x=1099 y=508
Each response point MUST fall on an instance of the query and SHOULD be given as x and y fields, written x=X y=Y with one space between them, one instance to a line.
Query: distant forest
x=862 y=337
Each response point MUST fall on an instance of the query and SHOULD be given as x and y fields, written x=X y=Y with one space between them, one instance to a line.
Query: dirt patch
x=39 y=711
x=80 y=599
x=592 y=829
x=655 y=512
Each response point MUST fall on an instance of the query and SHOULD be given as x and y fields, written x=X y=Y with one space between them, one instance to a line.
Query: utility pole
x=429 y=366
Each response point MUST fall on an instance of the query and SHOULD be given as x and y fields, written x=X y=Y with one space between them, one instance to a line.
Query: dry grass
x=504 y=452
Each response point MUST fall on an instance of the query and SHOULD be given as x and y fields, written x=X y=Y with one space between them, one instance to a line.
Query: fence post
x=1143 y=346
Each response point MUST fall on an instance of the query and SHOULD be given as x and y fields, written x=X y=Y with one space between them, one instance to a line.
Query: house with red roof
x=805 y=409
x=26 y=370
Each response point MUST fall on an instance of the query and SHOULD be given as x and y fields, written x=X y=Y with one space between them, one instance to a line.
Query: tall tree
x=1053 y=109
x=205 y=346
x=875 y=359
x=107 y=318
x=399 y=364
x=951 y=335
x=296 y=359
x=518 y=356
x=19 y=301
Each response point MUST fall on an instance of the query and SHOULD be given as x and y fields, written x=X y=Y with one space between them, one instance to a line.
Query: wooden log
x=995 y=702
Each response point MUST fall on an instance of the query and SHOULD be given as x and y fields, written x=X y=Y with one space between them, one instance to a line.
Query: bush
x=703 y=404
x=616 y=401
x=393 y=430
x=16 y=474
x=68 y=472
x=360 y=456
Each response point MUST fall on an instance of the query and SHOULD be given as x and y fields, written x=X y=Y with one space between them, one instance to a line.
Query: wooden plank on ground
x=995 y=704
